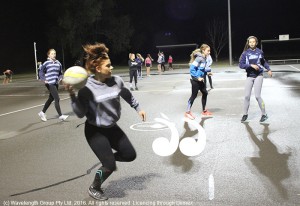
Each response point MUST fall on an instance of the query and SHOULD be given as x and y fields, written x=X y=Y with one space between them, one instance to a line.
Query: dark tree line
x=124 y=26
x=73 y=23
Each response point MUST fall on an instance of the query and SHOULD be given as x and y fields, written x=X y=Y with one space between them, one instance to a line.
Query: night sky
x=156 y=22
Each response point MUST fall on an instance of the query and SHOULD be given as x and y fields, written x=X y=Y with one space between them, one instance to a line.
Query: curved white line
x=147 y=130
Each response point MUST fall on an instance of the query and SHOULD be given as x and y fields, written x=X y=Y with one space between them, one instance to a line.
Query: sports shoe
x=244 y=118
x=189 y=115
x=97 y=194
x=136 y=88
x=206 y=113
x=131 y=88
x=263 y=118
x=63 y=117
x=42 y=116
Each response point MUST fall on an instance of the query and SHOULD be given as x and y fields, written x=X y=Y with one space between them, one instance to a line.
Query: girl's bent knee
x=130 y=157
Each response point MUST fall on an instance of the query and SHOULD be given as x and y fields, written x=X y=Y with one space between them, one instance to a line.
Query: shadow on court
x=270 y=163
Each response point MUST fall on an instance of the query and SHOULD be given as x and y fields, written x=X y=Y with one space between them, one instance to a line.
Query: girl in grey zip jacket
x=100 y=102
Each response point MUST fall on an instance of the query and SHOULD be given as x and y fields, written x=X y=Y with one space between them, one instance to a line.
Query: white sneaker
x=42 y=116
x=63 y=117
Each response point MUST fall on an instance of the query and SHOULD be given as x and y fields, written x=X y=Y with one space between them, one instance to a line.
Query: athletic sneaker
x=131 y=89
x=206 y=113
x=263 y=118
x=63 y=117
x=42 y=116
x=189 y=115
x=97 y=194
x=244 y=118
x=136 y=88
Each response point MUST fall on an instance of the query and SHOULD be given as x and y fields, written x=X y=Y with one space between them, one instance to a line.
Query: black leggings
x=103 y=140
x=209 y=79
x=133 y=74
x=163 y=66
x=196 y=86
x=53 y=89
x=139 y=72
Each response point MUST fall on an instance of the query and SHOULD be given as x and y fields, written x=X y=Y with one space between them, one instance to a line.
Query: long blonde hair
x=131 y=56
x=197 y=52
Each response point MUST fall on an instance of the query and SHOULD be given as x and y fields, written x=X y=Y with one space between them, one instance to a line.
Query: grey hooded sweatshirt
x=100 y=102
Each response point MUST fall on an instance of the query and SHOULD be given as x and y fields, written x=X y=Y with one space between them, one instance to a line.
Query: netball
x=75 y=76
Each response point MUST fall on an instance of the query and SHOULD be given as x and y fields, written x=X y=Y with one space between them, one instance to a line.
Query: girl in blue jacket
x=197 y=72
x=253 y=61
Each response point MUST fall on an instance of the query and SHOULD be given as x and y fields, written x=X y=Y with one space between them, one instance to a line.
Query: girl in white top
x=208 y=72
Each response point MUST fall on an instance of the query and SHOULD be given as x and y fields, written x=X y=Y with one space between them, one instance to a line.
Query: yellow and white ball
x=75 y=76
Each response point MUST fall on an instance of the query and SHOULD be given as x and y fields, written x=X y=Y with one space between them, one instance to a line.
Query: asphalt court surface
x=241 y=164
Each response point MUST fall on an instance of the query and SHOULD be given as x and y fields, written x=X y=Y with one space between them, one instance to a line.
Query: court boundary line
x=21 y=110
x=293 y=67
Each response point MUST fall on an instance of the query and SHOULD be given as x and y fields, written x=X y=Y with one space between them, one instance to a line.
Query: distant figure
x=78 y=63
x=51 y=74
x=8 y=76
x=39 y=65
x=208 y=72
x=139 y=59
x=159 y=61
x=148 y=64
x=254 y=63
x=163 y=62
x=132 y=71
x=170 y=62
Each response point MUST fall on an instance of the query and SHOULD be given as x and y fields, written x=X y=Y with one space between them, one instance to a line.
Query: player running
x=197 y=72
x=100 y=102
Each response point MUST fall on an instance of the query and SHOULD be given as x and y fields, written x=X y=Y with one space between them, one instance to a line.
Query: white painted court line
x=211 y=187
x=18 y=86
x=20 y=110
x=28 y=95
x=293 y=67
x=7 y=135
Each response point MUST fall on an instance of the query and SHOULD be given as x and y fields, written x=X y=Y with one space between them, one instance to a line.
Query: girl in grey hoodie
x=99 y=102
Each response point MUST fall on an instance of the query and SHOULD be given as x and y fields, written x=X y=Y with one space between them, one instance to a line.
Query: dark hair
x=94 y=55
x=77 y=63
x=246 y=47
x=247 y=42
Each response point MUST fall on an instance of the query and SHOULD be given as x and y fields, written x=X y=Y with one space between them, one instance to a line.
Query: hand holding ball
x=75 y=76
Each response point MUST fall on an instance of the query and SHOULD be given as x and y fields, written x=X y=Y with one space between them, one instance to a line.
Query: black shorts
x=8 y=76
